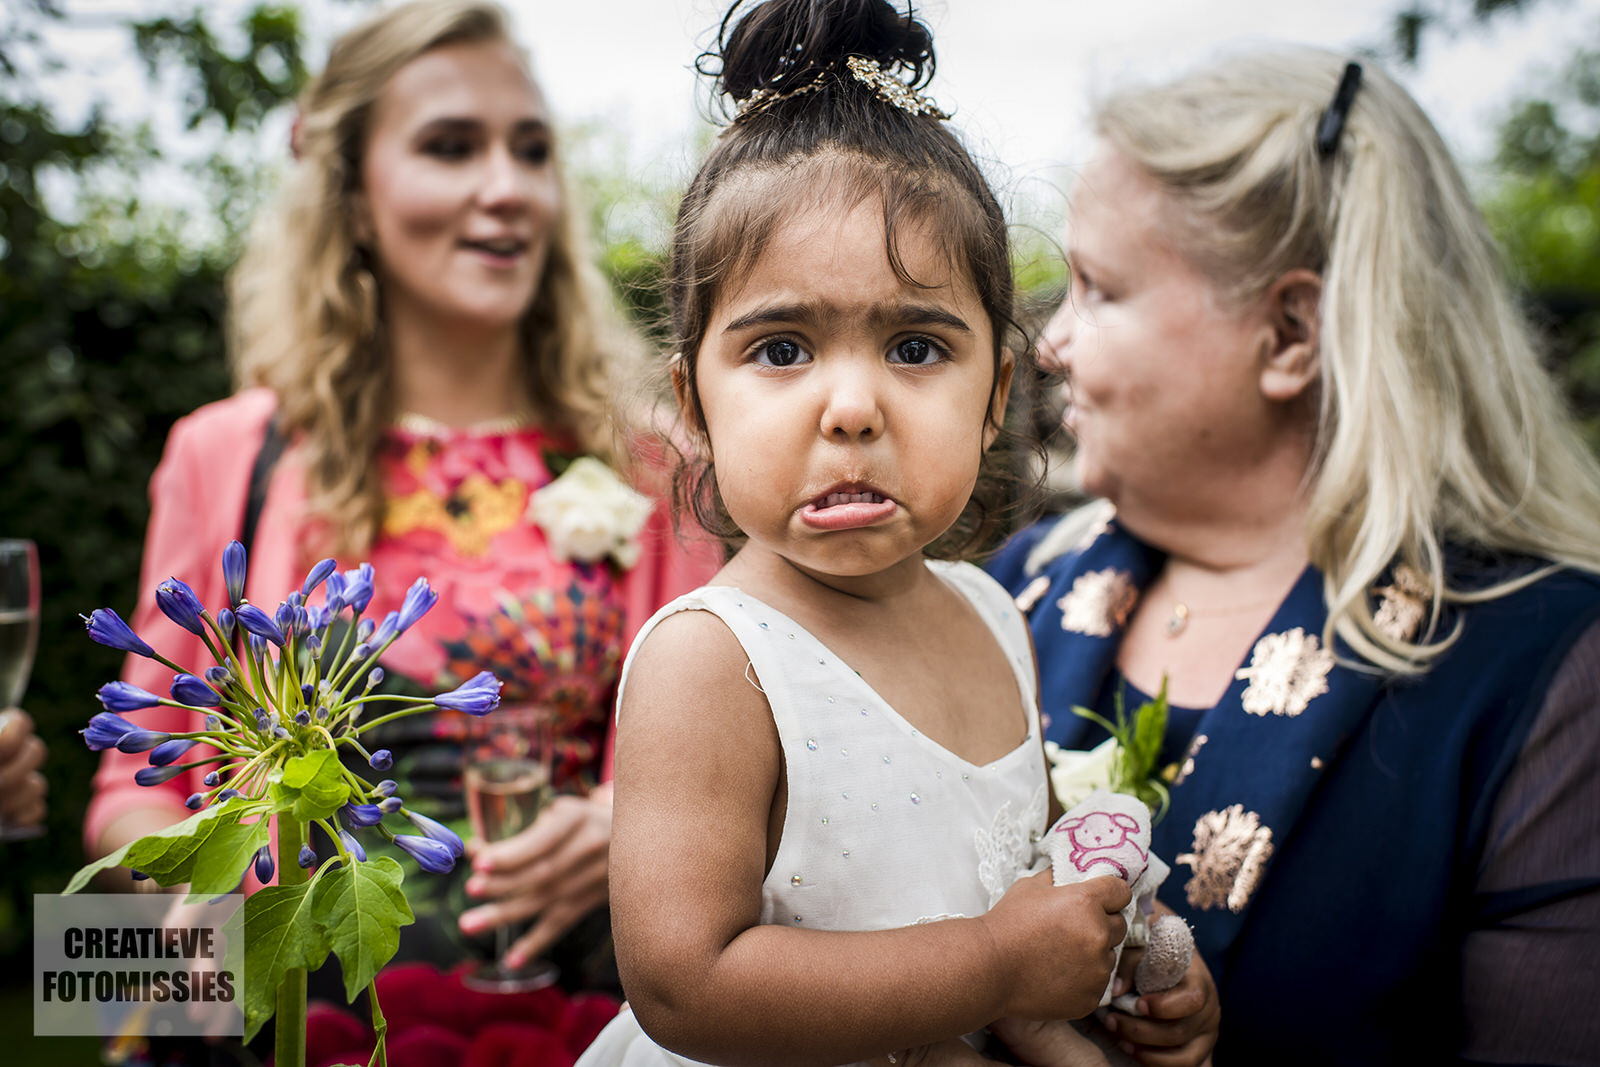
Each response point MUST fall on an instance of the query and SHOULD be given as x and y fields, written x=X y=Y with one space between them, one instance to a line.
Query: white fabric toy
x=1108 y=833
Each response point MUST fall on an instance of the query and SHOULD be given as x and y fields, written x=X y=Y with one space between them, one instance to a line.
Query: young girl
x=829 y=768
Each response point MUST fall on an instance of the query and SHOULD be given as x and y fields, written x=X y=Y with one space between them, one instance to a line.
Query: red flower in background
x=434 y=1019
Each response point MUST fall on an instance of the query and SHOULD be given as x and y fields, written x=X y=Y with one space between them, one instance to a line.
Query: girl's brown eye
x=780 y=354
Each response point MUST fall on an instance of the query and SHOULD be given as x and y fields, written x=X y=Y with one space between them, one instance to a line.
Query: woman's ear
x=1002 y=394
x=1291 y=361
x=360 y=219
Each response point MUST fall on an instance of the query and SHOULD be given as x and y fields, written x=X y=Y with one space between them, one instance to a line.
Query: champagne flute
x=507 y=783
x=19 y=636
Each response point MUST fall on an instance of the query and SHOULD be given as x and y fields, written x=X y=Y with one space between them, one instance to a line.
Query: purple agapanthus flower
x=171 y=751
x=137 y=740
x=107 y=627
x=430 y=855
x=264 y=864
x=359 y=587
x=157 y=775
x=233 y=570
x=419 y=598
x=353 y=845
x=259 y=623
x=125 y=697
x=318 y=574
x=105 y=730
x=362 y=814
x=178 y=603
x=478 y=695
x=439 y=832
x=187 y=689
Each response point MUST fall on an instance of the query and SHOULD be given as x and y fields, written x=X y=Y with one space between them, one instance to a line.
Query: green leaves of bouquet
x=1136 y=749
x=278 y=714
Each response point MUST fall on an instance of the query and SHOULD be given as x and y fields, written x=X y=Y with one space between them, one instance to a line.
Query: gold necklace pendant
x=1179 y=621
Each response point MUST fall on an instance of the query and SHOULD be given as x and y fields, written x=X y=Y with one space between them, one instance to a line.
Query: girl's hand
x=1057 y=944
x=556 y=869
x=22 y=786
x=1174 y=1028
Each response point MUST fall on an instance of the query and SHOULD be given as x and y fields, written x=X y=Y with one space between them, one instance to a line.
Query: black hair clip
x=1332 y=124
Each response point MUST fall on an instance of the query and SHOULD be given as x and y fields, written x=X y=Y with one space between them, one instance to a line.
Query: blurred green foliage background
x=111 y=319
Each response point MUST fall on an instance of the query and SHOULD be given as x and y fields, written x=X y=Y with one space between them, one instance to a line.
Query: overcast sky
x=1018 y=73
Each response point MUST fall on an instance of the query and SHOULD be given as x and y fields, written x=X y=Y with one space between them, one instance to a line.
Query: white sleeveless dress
x=884 y=828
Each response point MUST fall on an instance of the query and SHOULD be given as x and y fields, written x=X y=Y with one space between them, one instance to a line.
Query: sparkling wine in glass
x=507 y=783
x=19 y=636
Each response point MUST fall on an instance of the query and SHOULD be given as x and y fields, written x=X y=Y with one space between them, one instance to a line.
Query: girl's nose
x=1056 y=339
x=852 y=410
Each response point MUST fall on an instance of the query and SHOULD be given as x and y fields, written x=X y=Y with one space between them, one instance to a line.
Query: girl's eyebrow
x=878 y=316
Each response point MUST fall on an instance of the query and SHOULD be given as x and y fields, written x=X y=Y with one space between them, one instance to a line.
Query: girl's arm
x=698 y=771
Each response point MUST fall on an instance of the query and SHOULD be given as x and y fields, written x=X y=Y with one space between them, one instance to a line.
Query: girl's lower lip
x=846 y=516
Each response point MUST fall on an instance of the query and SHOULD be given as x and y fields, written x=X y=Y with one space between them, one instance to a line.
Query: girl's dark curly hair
x=812 y=133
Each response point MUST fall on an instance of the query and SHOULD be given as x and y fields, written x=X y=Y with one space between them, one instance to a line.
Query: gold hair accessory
x=892 y=90
x=868 y=72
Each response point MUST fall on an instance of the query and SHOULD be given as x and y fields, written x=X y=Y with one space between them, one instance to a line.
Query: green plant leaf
x=281 y=933
x=208 y=849
x=362 y=907
x=312 y=786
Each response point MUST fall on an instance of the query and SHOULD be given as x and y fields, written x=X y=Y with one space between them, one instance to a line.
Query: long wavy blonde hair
x=1437 y=424
x=306 y=310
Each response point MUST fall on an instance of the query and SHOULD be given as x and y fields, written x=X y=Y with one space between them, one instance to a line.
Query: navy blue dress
x=1376 y=871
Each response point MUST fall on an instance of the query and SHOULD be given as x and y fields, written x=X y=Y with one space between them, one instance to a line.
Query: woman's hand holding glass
x=555 y=871
x=22 y=786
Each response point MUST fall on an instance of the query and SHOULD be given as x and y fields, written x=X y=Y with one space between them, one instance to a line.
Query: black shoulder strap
x=260 y=476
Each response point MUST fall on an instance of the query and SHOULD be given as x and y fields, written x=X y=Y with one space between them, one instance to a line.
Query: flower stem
x=402 y=713
x=290 y=1035
x=380 y=1027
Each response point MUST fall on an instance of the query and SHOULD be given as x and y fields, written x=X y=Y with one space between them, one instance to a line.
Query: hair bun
x=783 y=44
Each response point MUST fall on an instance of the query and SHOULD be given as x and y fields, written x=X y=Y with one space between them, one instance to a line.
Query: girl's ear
x=1002 y=393
x=1291 y=359
x=678 y=368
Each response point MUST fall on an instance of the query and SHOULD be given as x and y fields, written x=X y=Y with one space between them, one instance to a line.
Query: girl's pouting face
x=846 y=408
x=1163 y=375
x=458 y=191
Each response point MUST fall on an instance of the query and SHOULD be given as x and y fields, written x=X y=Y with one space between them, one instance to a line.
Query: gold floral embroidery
x=1092 y=534
x=1405 y=604
x=1231 y=850
x=472 y=515
x=1188 y=760
x=1030 y=596
x=1098 y=603
x=1287 y=672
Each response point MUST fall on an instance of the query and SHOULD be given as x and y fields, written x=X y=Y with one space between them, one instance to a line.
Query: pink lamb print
x=1107 y=837
x=1105 y=833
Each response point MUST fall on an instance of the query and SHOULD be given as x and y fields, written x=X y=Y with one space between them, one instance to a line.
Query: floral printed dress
x=550 y=629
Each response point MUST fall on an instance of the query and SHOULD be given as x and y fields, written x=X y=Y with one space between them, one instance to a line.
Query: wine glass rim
x=17 y=542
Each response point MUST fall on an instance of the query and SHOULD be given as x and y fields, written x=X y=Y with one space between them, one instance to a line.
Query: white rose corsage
x=589 y=513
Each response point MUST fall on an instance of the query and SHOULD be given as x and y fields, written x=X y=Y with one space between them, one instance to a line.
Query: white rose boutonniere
x=1075 y=773
x=589 y=513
